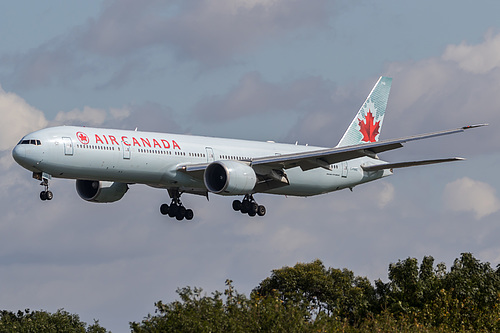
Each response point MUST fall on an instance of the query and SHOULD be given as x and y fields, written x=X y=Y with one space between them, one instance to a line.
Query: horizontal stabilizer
x=408 y=164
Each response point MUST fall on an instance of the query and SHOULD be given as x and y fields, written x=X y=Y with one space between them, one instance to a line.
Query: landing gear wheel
x=253 y=208
x=176 y=208
x=237 y=205
x=172 y=211
x=181 y=213
x=189 y=214
x=164 y=209
x=45 y=194
x=245 y=206
x=261 y=211
x=249 y=206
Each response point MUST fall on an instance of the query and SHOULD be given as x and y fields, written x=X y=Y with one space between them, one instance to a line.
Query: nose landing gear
x=249 y=206
x=46 y=194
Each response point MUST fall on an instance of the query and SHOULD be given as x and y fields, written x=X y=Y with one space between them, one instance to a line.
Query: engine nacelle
x=229 y=178
x=100 y=191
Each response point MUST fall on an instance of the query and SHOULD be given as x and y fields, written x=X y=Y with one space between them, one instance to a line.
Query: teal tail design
x=367 y=124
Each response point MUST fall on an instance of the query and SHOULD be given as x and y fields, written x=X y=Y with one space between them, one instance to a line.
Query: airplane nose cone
x=19 y=153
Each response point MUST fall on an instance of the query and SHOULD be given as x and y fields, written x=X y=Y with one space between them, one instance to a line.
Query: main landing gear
x=176 y=208
x=45 y=194
x=249 y=206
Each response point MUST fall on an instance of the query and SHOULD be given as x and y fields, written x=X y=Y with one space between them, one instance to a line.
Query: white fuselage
x=153 y=158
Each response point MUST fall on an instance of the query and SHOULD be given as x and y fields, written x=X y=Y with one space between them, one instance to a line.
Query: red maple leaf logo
x=82 y=137
x=369 y=128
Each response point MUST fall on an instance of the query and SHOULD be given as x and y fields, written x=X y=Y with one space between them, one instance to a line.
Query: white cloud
x=468 y=195
x=88 y=115
x=386 y=194
x=477 y=59
x=18 y=119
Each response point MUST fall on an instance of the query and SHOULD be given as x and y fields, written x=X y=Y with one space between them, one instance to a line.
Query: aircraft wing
x=325 y=157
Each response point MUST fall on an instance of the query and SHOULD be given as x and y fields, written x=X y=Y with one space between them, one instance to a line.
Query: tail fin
x=366 y=126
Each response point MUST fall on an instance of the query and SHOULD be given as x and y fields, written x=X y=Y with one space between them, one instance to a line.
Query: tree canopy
x=309 y=297
x=41 y=321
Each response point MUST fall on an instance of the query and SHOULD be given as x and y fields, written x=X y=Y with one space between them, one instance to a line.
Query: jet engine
x=100 y=191
x=230 y=178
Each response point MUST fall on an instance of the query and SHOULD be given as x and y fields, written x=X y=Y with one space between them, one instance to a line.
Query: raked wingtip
x=474 y=126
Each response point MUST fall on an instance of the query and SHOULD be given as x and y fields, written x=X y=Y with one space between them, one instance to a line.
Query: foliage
x=311 y=298
x=320 y=291
x=466 y=298
x=42 y=321
x=234 y=312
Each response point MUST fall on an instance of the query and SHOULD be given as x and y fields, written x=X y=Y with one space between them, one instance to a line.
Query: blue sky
x=283 y=70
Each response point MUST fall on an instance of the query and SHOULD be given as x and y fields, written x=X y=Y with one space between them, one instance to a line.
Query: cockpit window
x=30 y=142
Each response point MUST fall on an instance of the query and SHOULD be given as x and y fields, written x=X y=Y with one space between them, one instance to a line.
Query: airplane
x=105 y=162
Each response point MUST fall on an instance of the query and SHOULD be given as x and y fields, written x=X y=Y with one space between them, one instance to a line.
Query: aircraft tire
x=43 y=195
x=49 y=195
x=252 y=213
x=172 y=211
x=164 y=209
x=261 y=210
x=189 y=214
x=253 y=208
x=181 y=213
x=237 y=205
x=245 y=206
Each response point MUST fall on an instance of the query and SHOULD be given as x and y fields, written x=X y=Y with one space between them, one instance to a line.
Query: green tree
x=312 y=298
x=223 y=312
x=42 y=321
x=475 y=289
x=319 y=291
x=466 y=298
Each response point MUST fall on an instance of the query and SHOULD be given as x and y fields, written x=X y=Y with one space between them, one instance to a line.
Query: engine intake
x=100 y=191
x=230 y=178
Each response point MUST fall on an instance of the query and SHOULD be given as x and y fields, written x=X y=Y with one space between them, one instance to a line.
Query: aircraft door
x=344 y=167
x=126 y=151
x=68 y=146
x=210 y=154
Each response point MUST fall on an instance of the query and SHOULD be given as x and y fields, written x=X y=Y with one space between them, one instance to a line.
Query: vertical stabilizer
x=367 y=124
